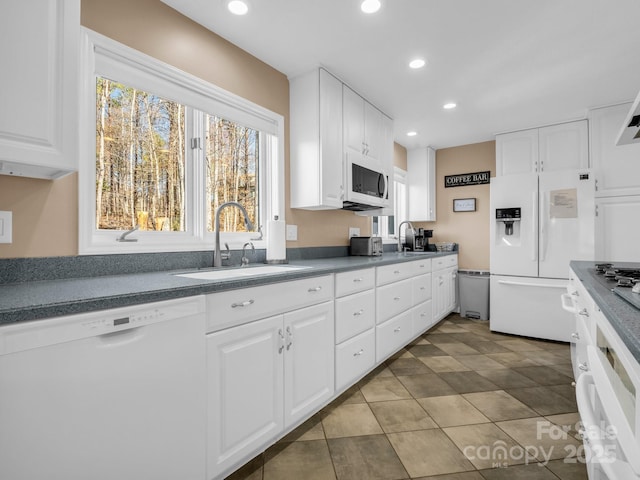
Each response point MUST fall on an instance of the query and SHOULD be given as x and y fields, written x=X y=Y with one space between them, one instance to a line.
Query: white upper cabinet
x=363 y=129
x=557 y=147
x=421 y=180
x=316 y=141
x=39 y=94
x=616 y=168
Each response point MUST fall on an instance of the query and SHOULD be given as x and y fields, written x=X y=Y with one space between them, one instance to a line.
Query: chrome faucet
x=244 y=260
x=400 y=233
x=217 y=257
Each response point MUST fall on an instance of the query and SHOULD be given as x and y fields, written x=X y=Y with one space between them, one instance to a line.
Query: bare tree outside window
x=140 y=163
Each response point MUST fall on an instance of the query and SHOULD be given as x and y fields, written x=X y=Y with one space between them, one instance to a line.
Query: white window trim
x=399 y=175
x=102 y=56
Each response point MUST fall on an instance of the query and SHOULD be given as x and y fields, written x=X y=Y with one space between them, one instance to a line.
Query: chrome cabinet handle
x=423 y=288
x=423 y=314
x=396 y=330
x=357 y=279
x=396 y=299
x=358 y=313
x=583 y=312
x=289 y=337
x=575 y=336
x=357 y=354
x=314 y=289
x=242 y=304
x=280 y=341
x=396 y=272
x=583 y=366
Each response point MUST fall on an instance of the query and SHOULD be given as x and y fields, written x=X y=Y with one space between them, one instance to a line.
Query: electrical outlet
x=5 y=227
x=354 y=232
x=292 y=233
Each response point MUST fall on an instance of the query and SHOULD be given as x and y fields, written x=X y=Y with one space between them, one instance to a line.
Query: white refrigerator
x=539 y=223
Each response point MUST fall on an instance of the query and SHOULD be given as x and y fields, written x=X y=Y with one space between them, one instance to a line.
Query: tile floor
x=459 y=403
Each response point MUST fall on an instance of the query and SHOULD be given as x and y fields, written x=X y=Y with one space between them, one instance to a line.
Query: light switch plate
x=6 y=229
x=292 y=232
x=354 y=232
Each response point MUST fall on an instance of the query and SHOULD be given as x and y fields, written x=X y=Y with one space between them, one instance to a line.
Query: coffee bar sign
x=464 y=179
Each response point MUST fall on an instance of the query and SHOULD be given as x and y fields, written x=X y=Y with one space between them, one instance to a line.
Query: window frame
x=102 y=56
x=399 y=176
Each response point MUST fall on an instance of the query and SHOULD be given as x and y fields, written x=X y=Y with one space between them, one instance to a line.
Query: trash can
x=474 y=294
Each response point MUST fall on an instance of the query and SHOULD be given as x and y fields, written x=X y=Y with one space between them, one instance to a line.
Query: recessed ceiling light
x=449 y=106
x=238 y=7
x=370 y=6
x=411 y=134
x=417 y=63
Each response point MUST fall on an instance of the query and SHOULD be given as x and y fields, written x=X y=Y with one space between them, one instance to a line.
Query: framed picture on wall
x=464 y=205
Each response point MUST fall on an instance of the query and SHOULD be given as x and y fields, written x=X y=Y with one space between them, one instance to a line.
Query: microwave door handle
x=386 y=185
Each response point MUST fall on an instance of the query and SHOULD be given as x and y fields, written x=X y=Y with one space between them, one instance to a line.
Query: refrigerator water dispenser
x=510 y=217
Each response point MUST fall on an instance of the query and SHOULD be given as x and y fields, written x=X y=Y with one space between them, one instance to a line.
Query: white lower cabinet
x=263 y=377
x=444 y=286
x=422 y=317
x=354 y=358
x=393 y=335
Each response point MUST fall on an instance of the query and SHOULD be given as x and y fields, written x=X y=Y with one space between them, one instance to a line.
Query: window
x=385 y=226
x=168 y=150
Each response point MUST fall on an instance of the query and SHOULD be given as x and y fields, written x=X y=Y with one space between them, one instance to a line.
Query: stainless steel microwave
x=367 y=187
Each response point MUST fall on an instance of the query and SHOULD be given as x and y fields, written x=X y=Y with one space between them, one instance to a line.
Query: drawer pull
x=242 y=304
x=357 y=354
x=357 y=279
x=396 y=272
x=575 y=336
x=583 y=366
x=396 y=299
x=314 y=289
x=358 y=313
x=396 y=330
x=583 y=312
x=423 y=314
x=423 y=288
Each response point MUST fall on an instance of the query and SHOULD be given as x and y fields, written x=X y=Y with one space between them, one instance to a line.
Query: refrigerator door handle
x=544 y=212
x=534 y=243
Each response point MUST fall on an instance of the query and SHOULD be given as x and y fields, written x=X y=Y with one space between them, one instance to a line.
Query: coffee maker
x=417 y=240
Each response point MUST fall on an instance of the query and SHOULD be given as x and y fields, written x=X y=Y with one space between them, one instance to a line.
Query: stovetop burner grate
x=625 y=277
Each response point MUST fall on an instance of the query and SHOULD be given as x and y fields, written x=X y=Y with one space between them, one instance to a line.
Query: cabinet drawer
x=445 y=262
x=393 y=299
x=422 y=317
x=355 y=314
x=356 y=281
x=235 y=307
x=393 y=273
x=421 y=288
x=393 y=334
x=420 y=267
x=354 y=358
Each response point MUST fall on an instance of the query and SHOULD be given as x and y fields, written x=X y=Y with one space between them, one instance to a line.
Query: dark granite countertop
x=33 y=300
x=623 y=317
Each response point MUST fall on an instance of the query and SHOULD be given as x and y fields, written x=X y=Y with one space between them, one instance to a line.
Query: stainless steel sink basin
x=243 y=272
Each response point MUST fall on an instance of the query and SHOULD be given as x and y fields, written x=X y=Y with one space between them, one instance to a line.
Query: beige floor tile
x=572 y=470
x=365 y=458
x=533 y=471
x=564 y=368
x=426 y=350
x=546 y=357
x=428 y=452
x=544 y=375
x=518 y=345
x=452 y=410
x=544 y=400
x=455 y=476
x=293 y=461
x=351 y=395
x=350 y=420
x=484 y=346
x=499 y=405
x=379 y=371
x=467 y=382
x=444 y=364
x=541 y=439
x=485 y=445
x=408 y=366
x=401 y=416
x=422 y=386
x=479 y=362
x=251 y=470
x=381 y=389
x=507 y=378
x=512 y=359
x=457 y=348
x=569 y=422
x=449 y=328
x=309 y=430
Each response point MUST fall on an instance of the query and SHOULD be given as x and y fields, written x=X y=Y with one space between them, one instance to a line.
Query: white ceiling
x=508 y=64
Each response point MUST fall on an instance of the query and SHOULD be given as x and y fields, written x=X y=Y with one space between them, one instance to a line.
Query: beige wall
x=469 y=229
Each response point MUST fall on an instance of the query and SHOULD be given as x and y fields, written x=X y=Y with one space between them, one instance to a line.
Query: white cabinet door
x=451 y=282
x=316 y=141
x=422 y=317
x=563 y=147
x=617 y=229
x=39 y=94
x=373 y=134
x=517 y=152
x=393 y=334
x=353 y=122
x=617 y=168
x=245 y=391
x=355 y=357
x=421 y=180
x=439 y=295
x=309 y=360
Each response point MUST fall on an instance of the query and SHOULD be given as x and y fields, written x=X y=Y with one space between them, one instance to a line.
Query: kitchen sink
x=242 y=272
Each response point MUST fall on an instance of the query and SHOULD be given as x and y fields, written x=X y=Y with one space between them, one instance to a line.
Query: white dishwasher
x=118 y=394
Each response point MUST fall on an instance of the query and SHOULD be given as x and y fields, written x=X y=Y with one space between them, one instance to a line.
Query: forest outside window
x=166 y=156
